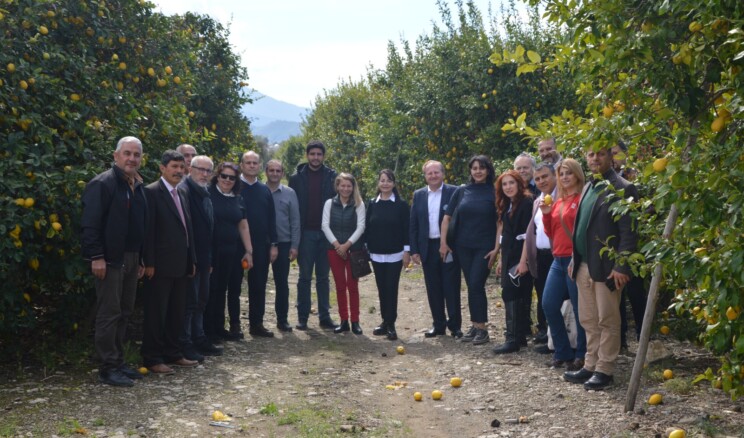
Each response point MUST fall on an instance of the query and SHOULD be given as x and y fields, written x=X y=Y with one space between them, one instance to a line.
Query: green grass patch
x=269 y=409
x=679 y=386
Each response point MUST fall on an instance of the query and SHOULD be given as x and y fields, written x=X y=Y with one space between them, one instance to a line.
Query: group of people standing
x=195 y=232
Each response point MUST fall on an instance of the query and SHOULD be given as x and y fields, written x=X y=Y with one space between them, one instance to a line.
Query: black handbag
x=360 y=260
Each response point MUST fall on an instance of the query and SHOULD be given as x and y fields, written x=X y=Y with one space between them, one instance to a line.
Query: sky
x=294 y=49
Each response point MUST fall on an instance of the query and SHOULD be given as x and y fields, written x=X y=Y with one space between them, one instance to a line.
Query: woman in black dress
x=514 y=204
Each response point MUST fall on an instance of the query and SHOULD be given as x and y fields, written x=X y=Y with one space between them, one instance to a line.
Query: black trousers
x=544 y=260
x=225 y=267
x=387 y=277
x=442 y=288
x=165 y=301
x=635 y=292
x=280 y=268
x=258 y=275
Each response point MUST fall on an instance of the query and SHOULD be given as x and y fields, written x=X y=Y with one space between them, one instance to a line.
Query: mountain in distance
x=273 y=118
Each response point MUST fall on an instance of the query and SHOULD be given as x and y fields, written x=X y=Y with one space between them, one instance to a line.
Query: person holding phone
x=558 y=218
x=599 y=277
x=474 y=241
x=514 y=204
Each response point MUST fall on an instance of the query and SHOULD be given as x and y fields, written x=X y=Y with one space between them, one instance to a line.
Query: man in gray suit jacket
x=600 y=278
x=442 y=278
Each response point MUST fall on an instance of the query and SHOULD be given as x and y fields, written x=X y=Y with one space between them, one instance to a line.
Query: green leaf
x=519 y=52
x=526 y=68
x=534 y=57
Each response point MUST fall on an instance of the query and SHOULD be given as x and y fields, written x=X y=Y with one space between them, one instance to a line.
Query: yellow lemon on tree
x=151 y=71
x=168 y=70
x=57 y=226
x=456 y=382
x=28 y=203
x=678 y=433
x=400 y=349
x=608 y=111
x=43 y=30
x=668 y=374
x=27 y=297
x=417 y=396
x=74 y=97
x=436 y=394
x=701 y=252
x=660 y=164
x=664 y=330
x=694 y=27
x=11 y=67
x=731 y=313
x=24 y=84
x=177 y=79
x=34 y=264
x=655 y=399
x=20 y=202
x=718 y=124
x=548 y=200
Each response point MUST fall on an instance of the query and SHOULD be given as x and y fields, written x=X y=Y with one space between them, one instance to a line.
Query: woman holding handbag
x=386 y=233
x=558 y=219
x=343 y=226
x=514 y=204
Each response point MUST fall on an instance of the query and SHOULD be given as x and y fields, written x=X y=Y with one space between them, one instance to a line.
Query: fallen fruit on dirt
x=143 y=370
x=417 y=396
x=678 y=433
x=456 y=382
x=655 y=399
x=668 y=374
x=664 y=330
x=400 y=349
x=436 y=394
x=219 y=416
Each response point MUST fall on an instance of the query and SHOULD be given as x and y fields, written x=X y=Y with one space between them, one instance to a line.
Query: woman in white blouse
x=343 y=226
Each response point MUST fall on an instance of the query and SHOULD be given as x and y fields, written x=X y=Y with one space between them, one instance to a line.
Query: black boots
x=343 y=327
x=511 y=343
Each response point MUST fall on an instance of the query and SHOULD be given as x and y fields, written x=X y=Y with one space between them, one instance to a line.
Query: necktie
x=177 y=200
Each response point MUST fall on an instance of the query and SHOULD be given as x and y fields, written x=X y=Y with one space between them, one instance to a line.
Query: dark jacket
x=419 y=225
x=106 y=216
x=261 y=214
x=513 y=235
x=343 y=223
x=298 y=183
x=603 y=227
x=169 y=247
x=202 y=220
x=386 y=226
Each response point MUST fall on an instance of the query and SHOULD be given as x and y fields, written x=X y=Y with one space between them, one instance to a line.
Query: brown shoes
x=185 y=363
x=161 y=368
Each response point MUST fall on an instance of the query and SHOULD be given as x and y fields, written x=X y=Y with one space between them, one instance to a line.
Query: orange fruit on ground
x=678 y=433
x=143 y=370
x=456 y=382
x=668 y=374
x=664 y=330
x=436 y=394
x=400 y=349
x=417 y=396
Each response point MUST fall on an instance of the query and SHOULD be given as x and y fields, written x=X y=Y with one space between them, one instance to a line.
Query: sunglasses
x=228 y=177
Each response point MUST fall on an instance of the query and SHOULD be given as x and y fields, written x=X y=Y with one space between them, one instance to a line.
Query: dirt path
x=318 y=384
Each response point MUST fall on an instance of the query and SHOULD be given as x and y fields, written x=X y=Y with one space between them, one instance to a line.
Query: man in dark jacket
x=193 y=340
x=442 y=277
x=170 y=260
x=599 y=277
x=314 y=184
x=113 y=230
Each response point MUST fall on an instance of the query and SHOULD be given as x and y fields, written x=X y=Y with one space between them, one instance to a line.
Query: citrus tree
x=666 y=77
x=74 y=77
x=442 y=100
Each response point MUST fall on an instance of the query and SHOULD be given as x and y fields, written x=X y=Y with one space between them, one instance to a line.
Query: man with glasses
x=193 y=340
x=188 y=152
x=259 y=206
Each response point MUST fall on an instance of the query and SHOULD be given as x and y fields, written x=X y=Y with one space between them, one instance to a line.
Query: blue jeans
x=558 y=287
x=313 y=254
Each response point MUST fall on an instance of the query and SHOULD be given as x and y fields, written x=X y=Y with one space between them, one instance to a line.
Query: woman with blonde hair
x=558 y=219
x=343 y=226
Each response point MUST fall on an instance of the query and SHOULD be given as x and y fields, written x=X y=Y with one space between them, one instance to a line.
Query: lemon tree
x=74 y=77
x=666 y=77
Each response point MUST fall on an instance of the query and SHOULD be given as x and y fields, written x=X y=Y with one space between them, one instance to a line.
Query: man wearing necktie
x=170 y=260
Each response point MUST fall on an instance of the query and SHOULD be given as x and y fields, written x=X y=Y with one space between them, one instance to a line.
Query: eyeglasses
x=202 y=169
x=228 y=177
